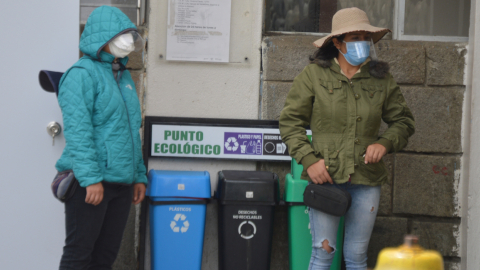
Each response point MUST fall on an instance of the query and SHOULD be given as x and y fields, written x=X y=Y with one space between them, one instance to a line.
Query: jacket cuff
x=386 y=143
x=87 y=183
x=141 y=179
x=308 y=160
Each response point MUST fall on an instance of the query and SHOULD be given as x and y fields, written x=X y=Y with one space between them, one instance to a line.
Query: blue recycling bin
x=177 y=218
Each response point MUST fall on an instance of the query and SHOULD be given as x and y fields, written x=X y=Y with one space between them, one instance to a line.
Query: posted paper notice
x=198 y=30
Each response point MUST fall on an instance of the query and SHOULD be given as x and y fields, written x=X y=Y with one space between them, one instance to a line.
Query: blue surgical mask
x=357 y=52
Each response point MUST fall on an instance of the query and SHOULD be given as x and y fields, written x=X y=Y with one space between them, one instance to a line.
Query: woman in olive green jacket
x=344 y=95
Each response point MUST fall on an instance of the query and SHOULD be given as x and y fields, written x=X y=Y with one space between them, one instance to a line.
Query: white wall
x=206 y=90
x=471 y=214
x=35 y=35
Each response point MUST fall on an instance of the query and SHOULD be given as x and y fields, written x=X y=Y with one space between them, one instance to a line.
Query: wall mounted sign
x=214 y=138
x=198 y=30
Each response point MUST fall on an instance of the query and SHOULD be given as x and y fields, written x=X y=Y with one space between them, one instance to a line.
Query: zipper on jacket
x=119 y=75
x=106 y=151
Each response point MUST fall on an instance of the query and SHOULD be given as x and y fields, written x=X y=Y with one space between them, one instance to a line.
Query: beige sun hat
x=350 y=20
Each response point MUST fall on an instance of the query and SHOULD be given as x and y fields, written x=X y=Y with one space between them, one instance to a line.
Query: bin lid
x=294 y=188
x=189 y=184
x=247 y=186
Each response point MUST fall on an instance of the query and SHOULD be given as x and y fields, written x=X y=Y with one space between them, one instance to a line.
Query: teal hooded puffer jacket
x=101 y=114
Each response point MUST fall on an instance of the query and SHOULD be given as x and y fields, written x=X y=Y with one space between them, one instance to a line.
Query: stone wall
x=422 y=196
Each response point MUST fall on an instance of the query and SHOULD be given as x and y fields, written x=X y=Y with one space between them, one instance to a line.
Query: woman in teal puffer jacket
x=102 y=118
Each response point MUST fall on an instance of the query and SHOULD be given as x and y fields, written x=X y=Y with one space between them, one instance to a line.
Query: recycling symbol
x=229 y=142
x=177 y=218
x=251 y=233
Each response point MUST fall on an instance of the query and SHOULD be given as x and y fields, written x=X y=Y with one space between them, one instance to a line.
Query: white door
x=34 y=35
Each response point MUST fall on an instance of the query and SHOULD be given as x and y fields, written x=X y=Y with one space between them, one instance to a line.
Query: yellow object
x=409 y=256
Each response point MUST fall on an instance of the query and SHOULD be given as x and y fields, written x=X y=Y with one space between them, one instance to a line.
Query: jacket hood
x=103 y=24
x=377 y=69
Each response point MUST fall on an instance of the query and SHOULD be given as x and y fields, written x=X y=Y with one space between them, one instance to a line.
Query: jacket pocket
x=371 y=110
x=372 y=171
x=374 y=93
x=332 y=106
x=330 y=155
x=332 y=90
x=331 y=161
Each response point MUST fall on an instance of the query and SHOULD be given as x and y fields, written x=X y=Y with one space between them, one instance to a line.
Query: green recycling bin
x=299 y=236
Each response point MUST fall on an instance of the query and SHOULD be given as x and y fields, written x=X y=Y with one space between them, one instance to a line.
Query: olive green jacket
x=344 y=116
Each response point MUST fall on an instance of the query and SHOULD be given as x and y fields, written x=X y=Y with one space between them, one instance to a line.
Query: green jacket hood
x=103 y=24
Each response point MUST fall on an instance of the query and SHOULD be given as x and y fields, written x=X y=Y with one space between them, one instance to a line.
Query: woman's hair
x=327 y=52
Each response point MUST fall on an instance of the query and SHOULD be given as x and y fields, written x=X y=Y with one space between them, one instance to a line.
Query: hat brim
x=377 y=33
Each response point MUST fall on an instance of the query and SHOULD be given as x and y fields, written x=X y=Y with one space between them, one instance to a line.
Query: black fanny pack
x=64 y=185
x=327 y=198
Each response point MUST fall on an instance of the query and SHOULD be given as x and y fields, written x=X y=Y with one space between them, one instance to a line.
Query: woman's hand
x=318 y=173
x=374 y=153
x=138 y=193
x=94 y=194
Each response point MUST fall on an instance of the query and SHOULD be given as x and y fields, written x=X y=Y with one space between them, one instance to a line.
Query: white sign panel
x=198 y=30
x=218 y=142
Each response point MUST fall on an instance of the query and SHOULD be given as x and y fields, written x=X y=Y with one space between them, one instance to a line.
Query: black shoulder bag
x=327 y=198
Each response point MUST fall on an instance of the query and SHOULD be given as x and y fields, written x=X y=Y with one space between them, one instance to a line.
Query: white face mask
x=122 y=45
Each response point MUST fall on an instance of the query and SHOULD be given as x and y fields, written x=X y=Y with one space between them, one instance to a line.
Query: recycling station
x=246 y=200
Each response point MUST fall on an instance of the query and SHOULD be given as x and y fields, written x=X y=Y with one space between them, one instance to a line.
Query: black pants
x=94 y=233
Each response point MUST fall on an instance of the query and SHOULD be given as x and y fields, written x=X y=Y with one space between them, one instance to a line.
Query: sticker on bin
x=177 y=209
x=176 y=226
x=249 y=194
x=181 y=186
x=249 y=233
x=247 y=214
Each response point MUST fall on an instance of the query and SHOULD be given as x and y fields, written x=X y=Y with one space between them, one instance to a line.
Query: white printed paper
x=198 y=30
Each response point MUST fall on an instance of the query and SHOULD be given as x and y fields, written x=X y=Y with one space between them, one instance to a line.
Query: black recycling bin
x=246 y=204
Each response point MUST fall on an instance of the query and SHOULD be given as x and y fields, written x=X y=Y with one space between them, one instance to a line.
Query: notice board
x=198 y=30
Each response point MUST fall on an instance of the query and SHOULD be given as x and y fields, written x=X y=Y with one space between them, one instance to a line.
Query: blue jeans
x=359 y=222
x=94 y=233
